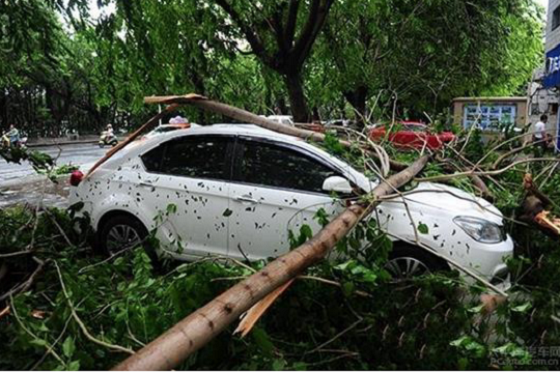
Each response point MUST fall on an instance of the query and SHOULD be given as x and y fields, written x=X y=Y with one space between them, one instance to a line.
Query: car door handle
x=246 y=199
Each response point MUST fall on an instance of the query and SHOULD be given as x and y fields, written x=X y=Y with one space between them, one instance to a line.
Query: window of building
x=556 y=18
x=553 y=108
x=489 y=117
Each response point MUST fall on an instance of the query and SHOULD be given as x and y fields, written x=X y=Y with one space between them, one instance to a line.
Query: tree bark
x=289 y=56
x=196 y=330
x=357 y=98
x=298 y=102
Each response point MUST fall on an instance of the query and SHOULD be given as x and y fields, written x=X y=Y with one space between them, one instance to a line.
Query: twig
x=332 y=282
x=350 y=354
x=336 y=337
x=47 y=346
x=53 y=219
x=492 y=173
x=25 y=285
x=81 y=324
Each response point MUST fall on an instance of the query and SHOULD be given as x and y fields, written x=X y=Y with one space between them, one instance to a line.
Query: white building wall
x=552 y=37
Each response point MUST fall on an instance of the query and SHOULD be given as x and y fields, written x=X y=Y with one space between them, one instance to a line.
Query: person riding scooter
x=12 y=138
x=108 y=137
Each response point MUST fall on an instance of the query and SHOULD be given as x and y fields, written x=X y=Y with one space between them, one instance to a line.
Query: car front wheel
x=407 y=261
x=121 y=233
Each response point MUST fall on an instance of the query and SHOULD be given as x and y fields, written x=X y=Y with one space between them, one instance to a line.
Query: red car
x=410 y=134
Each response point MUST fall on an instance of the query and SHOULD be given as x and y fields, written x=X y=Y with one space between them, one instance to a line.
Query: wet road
x=75 y=154
x=19 y=183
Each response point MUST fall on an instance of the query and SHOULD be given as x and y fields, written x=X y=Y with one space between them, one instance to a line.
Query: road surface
x=19 y=182
x=75 y=154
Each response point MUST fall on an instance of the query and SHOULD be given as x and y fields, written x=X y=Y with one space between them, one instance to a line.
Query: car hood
x=453 y=201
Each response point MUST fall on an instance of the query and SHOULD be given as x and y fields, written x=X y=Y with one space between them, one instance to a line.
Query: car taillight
x=76 y=177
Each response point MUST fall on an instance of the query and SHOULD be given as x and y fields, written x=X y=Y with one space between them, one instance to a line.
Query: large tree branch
x=291 y=22
x=196 y=330
x=252 y=37
x=248 y=117
x=317 y=15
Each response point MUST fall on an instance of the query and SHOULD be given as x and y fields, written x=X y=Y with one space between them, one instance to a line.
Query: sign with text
x=552 y=77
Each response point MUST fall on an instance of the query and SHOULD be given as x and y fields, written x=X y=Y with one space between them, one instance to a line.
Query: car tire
x=408 y=261
x=122 y=232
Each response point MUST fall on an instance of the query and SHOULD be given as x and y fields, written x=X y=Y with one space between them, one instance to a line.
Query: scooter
x=108 y=139
x=21 y=143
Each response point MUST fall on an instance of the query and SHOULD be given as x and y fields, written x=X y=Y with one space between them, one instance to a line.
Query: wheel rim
x=122 y=237
x=406 y=268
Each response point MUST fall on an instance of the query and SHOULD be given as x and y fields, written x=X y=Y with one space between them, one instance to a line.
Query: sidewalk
x=88 y=138
x=38 y=142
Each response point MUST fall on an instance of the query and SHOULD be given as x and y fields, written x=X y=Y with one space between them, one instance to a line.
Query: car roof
x=139 y=147
x=229 y=129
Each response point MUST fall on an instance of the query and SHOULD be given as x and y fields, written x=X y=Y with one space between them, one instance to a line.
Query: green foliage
x=420 y=55
x=417 y=56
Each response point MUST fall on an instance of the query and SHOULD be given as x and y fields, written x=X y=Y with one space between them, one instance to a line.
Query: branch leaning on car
x=196 y=330
x=248 y=117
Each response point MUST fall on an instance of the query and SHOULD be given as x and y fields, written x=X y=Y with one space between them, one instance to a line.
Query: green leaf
x=348 y=289
x=423 y=228
x=171 y=208
x=68 y=347
x=38 y=342
x=263 y=341
x=278 y=365
x=73 y=366
x=306 y=231
x=522 y=308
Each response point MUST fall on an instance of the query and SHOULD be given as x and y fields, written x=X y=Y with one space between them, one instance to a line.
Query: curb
x=61 y=143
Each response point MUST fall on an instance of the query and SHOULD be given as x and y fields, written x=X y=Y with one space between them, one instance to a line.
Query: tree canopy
x=65 y=69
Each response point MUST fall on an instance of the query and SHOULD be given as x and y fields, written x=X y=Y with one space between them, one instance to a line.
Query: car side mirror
x=338 y=184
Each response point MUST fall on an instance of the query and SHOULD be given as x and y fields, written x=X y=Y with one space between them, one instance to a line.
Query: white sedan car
x=239 y=190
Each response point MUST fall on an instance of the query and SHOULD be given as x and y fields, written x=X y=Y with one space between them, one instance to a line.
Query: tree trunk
x=196 y=330
x=298 y=102
x=357 y=98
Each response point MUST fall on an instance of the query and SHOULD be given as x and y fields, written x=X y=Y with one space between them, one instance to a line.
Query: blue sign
x=552 y=70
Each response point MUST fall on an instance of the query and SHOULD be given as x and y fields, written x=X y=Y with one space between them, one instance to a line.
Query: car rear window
x=193 y=156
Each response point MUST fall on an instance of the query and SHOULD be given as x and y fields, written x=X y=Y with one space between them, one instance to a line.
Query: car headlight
x=481 y=230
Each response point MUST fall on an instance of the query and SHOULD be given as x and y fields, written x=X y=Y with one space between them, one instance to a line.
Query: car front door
x=192 y=173
x=275 y=189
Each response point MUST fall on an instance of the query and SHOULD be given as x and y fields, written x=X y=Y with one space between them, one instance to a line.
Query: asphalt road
x=19 y=183
x=75 y=154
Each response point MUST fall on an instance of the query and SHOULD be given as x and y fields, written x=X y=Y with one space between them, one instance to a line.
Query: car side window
x=193 y=156
x=152 y=159
x=277 y=166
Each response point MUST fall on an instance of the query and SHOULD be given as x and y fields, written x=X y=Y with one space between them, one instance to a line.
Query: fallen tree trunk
x=248 y=117
x=195 y=331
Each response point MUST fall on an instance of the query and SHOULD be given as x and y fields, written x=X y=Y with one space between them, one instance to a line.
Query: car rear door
x=276 y=188
x=192 y=173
